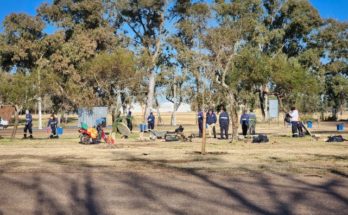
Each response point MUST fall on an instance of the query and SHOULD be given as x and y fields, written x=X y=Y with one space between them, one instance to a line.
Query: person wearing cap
x=211 y=122
x=151 y=121
x=28 y=125
x=224 y=122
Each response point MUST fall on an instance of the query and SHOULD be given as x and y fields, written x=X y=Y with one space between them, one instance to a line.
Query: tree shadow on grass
x=165 y=189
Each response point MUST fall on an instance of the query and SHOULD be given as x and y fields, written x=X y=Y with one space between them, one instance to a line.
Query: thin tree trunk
x=266 y=106
x=175 y=104
x=15 y=127
x=159 y=121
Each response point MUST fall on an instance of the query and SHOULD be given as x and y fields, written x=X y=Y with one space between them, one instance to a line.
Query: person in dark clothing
x=129 y=120
x=52 y=124
x=296 y=125
x=28 y=125
x=244 y=121
x=200 y=123
x=151 y=121
x=224 y=121
x=211 y=122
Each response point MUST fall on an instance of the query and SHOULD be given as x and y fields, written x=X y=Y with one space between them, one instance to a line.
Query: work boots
x=31 y=136
x=25 y=136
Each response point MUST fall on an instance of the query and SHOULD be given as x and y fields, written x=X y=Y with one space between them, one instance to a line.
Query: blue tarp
x=90 y=116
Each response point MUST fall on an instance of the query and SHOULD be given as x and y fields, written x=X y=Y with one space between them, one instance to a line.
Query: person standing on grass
x=252 y=122
x=224 y=121
x=151 y=121
x=296 y=125
x=211 y=122
x=52 y=124
x=244 y=121
x=28 y=125
x=129 y=120
x=200 y=123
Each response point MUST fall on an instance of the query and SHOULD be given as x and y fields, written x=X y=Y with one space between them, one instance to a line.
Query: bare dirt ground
x=284 y=176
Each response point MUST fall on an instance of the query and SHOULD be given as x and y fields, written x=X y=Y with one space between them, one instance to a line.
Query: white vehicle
x=3 y=123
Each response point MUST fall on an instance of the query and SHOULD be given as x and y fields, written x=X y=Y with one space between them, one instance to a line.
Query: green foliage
x=17 y=89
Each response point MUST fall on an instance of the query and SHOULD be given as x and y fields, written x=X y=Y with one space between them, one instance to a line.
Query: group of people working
x=150 y=121
x=28 y=127
x=211 y=119
x=247 y=121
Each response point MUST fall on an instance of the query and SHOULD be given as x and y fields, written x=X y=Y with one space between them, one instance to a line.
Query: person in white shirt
x=296 y=125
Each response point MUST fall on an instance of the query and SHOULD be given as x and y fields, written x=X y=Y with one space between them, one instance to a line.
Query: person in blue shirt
x=244 y=121
x=52 y=124
x=224 y=121
x=200 y=123
x=151 y=121
x=28 y=125
x=211 y=122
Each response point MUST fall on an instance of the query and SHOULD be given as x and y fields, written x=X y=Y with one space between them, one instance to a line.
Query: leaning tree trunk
x=15 y=127
x=159 y=121
x=175 y=106
x=175 y=109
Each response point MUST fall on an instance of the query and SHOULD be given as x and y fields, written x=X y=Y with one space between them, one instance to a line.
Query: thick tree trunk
x=281 y=106
x=262 y=104
x=123 y=103
x=159 y=118
x=334 y=113
x=173 y=117
x=151 y=94
x=233 y=115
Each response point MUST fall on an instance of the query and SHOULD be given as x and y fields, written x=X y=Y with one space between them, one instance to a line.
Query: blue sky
x=328 y=8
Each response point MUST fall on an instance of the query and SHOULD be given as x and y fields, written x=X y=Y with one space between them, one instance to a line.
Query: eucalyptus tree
x=22 y=51
x=237 y=21
x=143 y=21
x=115 y=77
x=191 y=22
x=82 y=32
x=333 y=39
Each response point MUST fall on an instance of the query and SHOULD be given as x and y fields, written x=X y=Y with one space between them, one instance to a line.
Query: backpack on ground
x=335 y=138
x=261 y=138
